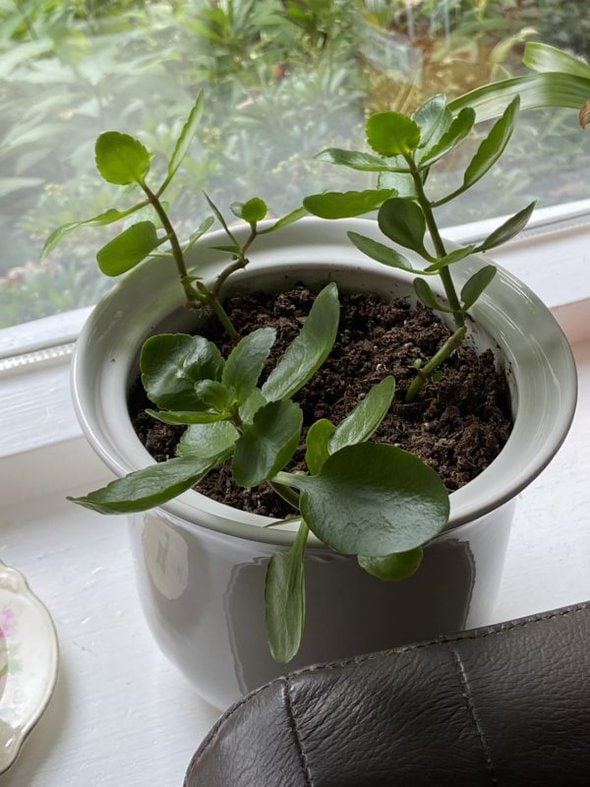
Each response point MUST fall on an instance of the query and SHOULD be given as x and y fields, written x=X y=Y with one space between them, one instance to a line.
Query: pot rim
x=540 y=365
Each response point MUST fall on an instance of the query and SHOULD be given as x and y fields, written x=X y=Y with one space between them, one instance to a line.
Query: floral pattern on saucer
x=28 y=662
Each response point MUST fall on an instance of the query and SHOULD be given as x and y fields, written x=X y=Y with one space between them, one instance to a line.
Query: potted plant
x=362 y=510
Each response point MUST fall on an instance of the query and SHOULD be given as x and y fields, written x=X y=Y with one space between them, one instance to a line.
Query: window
x=282 y=80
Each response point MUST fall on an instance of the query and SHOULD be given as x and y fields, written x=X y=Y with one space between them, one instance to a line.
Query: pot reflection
x=202 y=593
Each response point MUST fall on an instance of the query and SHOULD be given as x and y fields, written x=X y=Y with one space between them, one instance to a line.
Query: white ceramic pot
x=201 y=564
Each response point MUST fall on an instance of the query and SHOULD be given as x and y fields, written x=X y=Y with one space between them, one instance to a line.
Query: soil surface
x=458 y=424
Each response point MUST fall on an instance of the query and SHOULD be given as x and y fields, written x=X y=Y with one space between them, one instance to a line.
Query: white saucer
x=28 y=662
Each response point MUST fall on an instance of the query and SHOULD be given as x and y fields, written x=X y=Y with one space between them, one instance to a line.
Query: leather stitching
x=502 y=628
x=295 y=731
x=470 y=706
x=442 y=640
x=216 y=729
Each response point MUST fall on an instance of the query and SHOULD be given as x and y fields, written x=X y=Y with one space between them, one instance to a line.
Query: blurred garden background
x=282 y=80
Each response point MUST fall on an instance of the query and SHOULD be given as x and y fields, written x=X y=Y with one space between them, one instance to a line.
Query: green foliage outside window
x=282 y=78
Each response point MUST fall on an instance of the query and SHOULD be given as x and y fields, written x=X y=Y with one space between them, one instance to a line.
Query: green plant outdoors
x=362 y=498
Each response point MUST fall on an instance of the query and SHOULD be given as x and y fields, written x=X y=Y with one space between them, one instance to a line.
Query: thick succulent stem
x=425 y=372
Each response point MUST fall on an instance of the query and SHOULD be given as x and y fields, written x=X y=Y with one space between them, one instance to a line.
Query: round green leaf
x=392 y=134
x=172 y=363
x=121 y=159
x=373 y=499
x=252 y=211
x=392 y=568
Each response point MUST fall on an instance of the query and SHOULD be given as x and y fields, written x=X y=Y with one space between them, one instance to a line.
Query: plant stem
x=189 y=290
x=423 y=374
x=289 y=495
x=439 y=246
x=223 y=318
x=193 y=296
x=237 y=265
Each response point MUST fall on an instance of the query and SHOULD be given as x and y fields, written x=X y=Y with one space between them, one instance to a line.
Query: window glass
x=282 y=80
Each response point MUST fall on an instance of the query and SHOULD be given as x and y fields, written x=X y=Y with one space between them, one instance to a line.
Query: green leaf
x=213 y=395
x=235 y=250
x=222 y=221
x=252 y=211
x=268 y=443
x=203 y=227
x=121 y=159
x=284 y=595
x=400 y=182
x=452 y=257
x=509 y=229
x=546 y=58
x=252 y=405
x=354 y=159
x=427 y=297
x=535 y=91
x=373 y=499
x=403 y=222
x=183 y=417
x=284 y=221
x=317 y=442
x=492 y=146
x=434 y=119
x=186 y=137
x=392 y=134
x=308 y=350
x=149 y=487
x=171 y=364
x=340 y=205
x=128 y=248
x=456 y=133
x=246 y=361
x=395 y=567
x=360 y=424
x=381 y=253
x=108 y=217
x=476 y=284
x=207 y=440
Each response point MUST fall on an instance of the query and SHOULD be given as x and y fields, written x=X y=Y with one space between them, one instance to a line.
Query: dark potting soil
x=458 y=424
